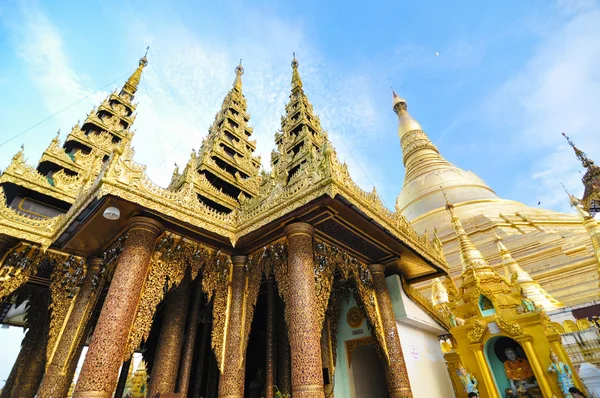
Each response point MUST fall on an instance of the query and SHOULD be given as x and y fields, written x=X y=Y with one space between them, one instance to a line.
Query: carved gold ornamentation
x=67 y=278
x=477 y=331
x=512 y=328
x=172 y=256
x=355 y=317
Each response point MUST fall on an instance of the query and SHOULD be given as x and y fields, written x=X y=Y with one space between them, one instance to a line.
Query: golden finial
x=579 y=153
x=132 y=83
x=239 y=71
x=398 y=104
x=449 y=205
x=572 y=199
x=296 y=81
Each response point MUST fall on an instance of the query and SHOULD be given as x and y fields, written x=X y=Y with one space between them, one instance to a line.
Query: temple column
x=166 y=365
x=205 y=340
x=271 y=342
x=284 y=369
x=397 y=376
x=107 y=350
x=59 y=372
x=27 y=373
x=301 y=303
x=540 y=373
x=231 y=382
x=187 y=354
x=29 y=381
x=327 y=357
x=486 y=374
x=123 y=378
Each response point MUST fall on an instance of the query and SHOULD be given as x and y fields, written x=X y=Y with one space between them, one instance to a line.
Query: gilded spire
x=591 y=181
x=239 y=71
x=525 y=282
x=426 y=168
x=470 y=257
x=296 y=80
x=476 y=272
x=585 y=162
x=132 y=83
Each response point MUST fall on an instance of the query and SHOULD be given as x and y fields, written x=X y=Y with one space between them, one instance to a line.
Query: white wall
x=418 y=332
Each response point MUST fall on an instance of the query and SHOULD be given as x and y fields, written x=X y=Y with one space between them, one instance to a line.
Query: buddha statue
x=467 y=379
x=517 y=371
x=563 y=373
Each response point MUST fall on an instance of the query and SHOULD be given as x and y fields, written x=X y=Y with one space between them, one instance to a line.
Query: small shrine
x=502 y=342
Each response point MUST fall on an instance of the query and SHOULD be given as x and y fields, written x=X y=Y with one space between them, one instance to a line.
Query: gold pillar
x=231 y=382
x=59 y=372
x=538 y=370
x=397 y=376
x=284 y=369
x=166 y=365
x=301 y=303
x=107 y=350
x=486 y=374
x=327 y=357
x=29 y=369
x=271 y=342
x=187 y=354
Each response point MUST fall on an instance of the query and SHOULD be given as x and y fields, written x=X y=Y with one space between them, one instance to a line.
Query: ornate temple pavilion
x=235 y=282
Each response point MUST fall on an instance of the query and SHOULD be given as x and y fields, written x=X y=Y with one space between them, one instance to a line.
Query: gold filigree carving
x=172 y=256
x=477 y=330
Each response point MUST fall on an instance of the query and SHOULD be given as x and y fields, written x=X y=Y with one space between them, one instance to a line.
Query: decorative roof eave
x=60 y=159
x=26 y=228
x=203 y=187
x=116 y=97
x=28 y=177
x=101 y=142
x=211 y=166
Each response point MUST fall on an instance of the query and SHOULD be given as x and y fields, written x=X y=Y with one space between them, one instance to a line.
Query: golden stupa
x=553 y=248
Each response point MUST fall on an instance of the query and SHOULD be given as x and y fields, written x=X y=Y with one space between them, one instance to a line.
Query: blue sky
x=509 y=77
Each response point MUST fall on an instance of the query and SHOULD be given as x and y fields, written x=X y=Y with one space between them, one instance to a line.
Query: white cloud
x=557 y=91
x=189 y=75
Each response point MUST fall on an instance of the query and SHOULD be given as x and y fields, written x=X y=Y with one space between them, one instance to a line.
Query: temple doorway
x=367 y=372
x=510 y=367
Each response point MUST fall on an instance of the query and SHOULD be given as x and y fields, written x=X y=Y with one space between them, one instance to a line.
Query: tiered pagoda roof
x=224 y=173
x=64 y=170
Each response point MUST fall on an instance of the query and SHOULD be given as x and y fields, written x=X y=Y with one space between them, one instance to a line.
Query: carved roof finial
x=296 y=80
x=239 y=71
x=587 y=163
x=133 y=82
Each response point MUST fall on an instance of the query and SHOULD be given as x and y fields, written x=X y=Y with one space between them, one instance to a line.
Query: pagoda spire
x=132 y=83
x=525 y=282
x=477 y=274
x=301 y=135
x=225 y=170
x=419 y=155
x=239 y=71
x=591 y=180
